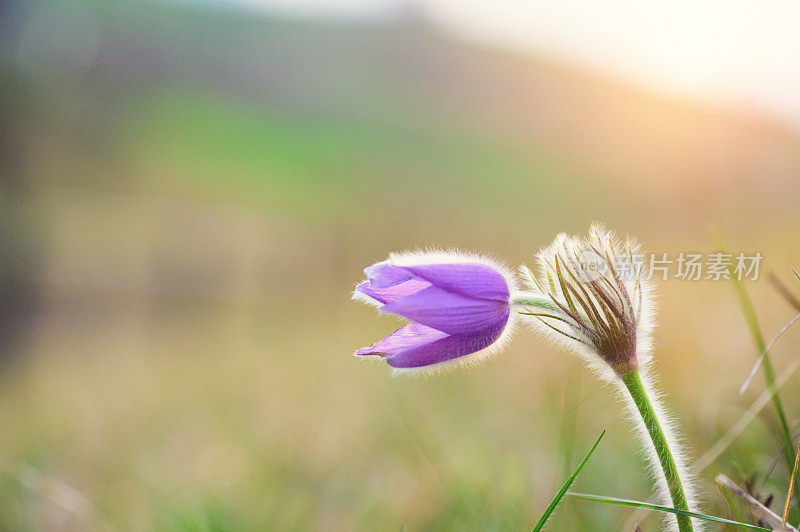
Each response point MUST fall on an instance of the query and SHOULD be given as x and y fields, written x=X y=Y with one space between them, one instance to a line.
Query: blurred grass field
x=187 y=211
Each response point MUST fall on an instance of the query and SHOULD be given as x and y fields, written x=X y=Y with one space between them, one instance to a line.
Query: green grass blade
x=751 y=318
x=563 y=491
x=796 y=274
x=658 y=508
x=731 y=502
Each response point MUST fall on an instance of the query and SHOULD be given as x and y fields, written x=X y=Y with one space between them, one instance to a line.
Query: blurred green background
x=189 y=194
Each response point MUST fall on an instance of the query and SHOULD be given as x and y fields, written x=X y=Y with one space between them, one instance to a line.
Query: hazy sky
x=739 y=53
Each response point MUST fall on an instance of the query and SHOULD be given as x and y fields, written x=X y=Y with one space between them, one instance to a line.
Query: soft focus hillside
x=189 y=195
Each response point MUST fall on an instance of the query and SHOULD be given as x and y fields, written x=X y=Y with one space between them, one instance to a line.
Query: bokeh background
x=190 y=190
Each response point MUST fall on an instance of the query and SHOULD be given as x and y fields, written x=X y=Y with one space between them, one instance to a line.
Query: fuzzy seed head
x=591 y=295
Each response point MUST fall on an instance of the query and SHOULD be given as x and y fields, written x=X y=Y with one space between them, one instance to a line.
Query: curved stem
x=633 y=382
x=525 y=299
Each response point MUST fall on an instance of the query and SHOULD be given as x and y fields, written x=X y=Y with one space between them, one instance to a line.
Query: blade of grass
x=796 y=274
x=735 y=430
x=791 y=487
x=569 y=422
x=560 y=495
x=777 y=337
x=56 y=491
x=758 y=510
x=784 y=291
x=776 y=457
x=567 y=443
x=758 y=339
x=731 y=503
x=659 y=508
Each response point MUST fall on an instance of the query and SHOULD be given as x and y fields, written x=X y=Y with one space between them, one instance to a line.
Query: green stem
x=633 y=382
x=528 y=300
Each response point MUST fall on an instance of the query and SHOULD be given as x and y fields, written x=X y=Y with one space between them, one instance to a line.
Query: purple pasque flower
x=458 y=306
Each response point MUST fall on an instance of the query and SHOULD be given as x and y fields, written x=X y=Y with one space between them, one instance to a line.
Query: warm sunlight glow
x=741 y=54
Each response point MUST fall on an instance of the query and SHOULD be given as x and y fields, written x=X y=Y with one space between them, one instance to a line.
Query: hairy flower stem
x=633 y=382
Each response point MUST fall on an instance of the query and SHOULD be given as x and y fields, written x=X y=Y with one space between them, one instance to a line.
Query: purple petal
x=407 y=337
x=415 y=345
x=392 y=293
x=471 y=279
x=449 y=312
x=384 y=275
